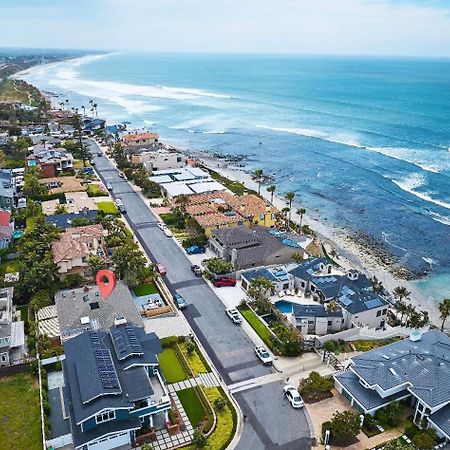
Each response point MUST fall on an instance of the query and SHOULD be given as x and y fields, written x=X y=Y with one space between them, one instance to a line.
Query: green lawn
x=108 y=207
x=20 y=424
x=257 y=325
x=171 y=367
x=23 y=313
x=145 y=289
x=191 y=404
x=94 y=190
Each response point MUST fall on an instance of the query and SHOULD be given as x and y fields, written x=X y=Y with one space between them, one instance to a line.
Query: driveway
x=271 y=423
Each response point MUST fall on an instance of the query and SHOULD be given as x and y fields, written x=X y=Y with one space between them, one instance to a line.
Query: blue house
x=112 y=385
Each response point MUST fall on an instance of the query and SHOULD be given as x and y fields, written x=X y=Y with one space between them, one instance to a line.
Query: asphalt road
x=270 y=422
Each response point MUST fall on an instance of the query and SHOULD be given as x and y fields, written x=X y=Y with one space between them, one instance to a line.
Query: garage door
x=112 y=441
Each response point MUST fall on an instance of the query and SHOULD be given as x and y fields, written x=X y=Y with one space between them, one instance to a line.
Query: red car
x=224 y=281
x=160 y=269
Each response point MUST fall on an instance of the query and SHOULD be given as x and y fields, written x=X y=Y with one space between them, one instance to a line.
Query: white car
x=263 y=354
x=162 y=226
x=167 y=232
x=293 y=396
x=234 y=315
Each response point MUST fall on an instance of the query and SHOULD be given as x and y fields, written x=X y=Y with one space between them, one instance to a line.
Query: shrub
x=425 y=440
x=219 y=266
x=200 y=240
x=190 y=347
x=315 y=387
x=199 y=439
x=390 y=414
x=344 y=427
x=168 y=341
x=219 y=403
x=330 y=346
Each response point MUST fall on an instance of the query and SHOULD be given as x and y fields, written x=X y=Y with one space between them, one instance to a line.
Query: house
x=352 y=290
x=113 y=386
x=75 y=245
x=6 y=228
x=58 y=185
x=76 y=202
x=66 y=220
x=220 y=210
x=7 y=189
x=415 y=369
x=137 y=140
x=12 y=334
x=51 y=161
x=84 y=309
x=317 y=319
x=162 y=159
x=255 y=246
x=281 y=279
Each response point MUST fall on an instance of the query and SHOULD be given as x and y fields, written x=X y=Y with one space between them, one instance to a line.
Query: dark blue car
x=195 y=250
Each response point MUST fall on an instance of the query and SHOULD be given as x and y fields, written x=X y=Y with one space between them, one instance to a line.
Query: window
x=384 y=311
x=105 y=416
x=286 y=286
x=379 y=313
x=330 y=323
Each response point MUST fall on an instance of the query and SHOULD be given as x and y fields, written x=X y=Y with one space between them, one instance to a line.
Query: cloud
x=371 y=27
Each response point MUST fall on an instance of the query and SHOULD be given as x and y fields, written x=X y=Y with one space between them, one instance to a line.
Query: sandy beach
x=349 y=254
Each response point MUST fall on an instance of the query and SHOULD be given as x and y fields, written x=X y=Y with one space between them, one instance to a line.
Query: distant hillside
x=20 y=91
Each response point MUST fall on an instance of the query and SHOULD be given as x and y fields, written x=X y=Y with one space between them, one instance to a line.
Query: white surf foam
x=439 y=218
x=412 y=182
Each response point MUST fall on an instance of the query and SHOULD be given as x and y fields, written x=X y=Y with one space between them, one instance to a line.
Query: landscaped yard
x=365 y=346
x=108 y=207
x=9 y=266
x=195 y=362
x=171 y=367
x=20 y=424
x=94 y=190
x=257 y=325
x=145 y=289
x=192 y=405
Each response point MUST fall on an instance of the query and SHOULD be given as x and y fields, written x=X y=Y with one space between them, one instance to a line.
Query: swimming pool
x=284 y=306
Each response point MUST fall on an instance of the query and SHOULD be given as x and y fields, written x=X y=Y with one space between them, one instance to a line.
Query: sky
x=348 y=27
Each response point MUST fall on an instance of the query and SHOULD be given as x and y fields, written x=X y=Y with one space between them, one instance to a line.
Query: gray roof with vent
x=314 y=311
x=424 y=365
x=73 y=304
x=356 y=302
x=441 y=418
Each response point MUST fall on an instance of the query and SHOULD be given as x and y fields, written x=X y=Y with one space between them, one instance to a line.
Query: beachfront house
x=161 y=159
x=415 y=369
x=136 y=141
x=112 y=388
x=314 y=319
x=256 y=246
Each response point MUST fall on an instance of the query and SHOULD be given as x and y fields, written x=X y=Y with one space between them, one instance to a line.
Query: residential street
x=271 y=422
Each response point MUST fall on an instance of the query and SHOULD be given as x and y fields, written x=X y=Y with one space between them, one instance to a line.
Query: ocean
x=363 y=142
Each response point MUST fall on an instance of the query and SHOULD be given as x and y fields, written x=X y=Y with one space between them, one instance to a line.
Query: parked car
x=195 y=250
x=99 y=154
x=120 y=206
x=161 y=225
x=179 y=300
x=121 y=175
x=92 y=162
x=234 y=315
x=224 y=281
x=197 y=270
x=293 y=396
x=263 y=354
x=160 y=269
x=109 y=186
x=167 y=232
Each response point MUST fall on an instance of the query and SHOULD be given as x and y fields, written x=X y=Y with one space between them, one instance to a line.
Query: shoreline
x=350 y=253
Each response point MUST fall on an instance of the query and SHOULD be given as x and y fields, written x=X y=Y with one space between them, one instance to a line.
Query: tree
x=61 y=209
x=301 y=212
x=182 y=201
x=344 y=427
x=285 y=212
x=260 y=290
x=272 y=188
x=399 y=444
x=129 y=262
x=40 y=300
x=83 y=149
x=289 y=196
x=390 y=414
x=219 y=404
x=31 y=185
x=377 y=285
x=199 y=439
x=96 y=263
x=146 y=446
x=315 y=386
x=297 y=257
x=120 y=156
x=333 y=306
x=444 y=310
x=258 y=176
x=219 y=266
x=401 y=292
x=190 y=347
x=425 y=440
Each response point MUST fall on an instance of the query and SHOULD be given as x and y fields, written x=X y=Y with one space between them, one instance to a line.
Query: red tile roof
x=5 y=218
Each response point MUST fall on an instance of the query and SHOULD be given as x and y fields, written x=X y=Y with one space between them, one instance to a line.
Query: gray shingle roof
x=361 y=301
x=73 y=304
x=424 y=365
x=442 y=419
x=368 y=398
x=314 y=311
x=306 y=269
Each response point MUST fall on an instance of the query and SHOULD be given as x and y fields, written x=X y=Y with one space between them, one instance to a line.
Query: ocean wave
x=408 y=155
x=439 y=218
x=414 y=181
x=195 y=92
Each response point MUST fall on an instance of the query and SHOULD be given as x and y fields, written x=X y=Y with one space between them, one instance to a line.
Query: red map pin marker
x=106 y=281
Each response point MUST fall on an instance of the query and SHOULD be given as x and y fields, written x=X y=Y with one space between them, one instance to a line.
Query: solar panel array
x=345 y=300
x=374 y=303
x=119 y=341
x=108 y=375
x=135 y=344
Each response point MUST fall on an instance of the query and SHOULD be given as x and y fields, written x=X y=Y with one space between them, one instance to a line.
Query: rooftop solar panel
x=374 y=303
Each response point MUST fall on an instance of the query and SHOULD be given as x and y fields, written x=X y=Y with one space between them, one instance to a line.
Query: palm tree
x=377 y=285
x=67 y=103
x=84 y=110
x=409 y=312
x=444 y=309
x=401 y=292
x=258 y=176
x=285 y=212
x=272 y=188
x=289 y=196
x=96 y=263
x=297 y=257
x=301 y=212
x=332 y=306
x=94 y=106
x=260 y=289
